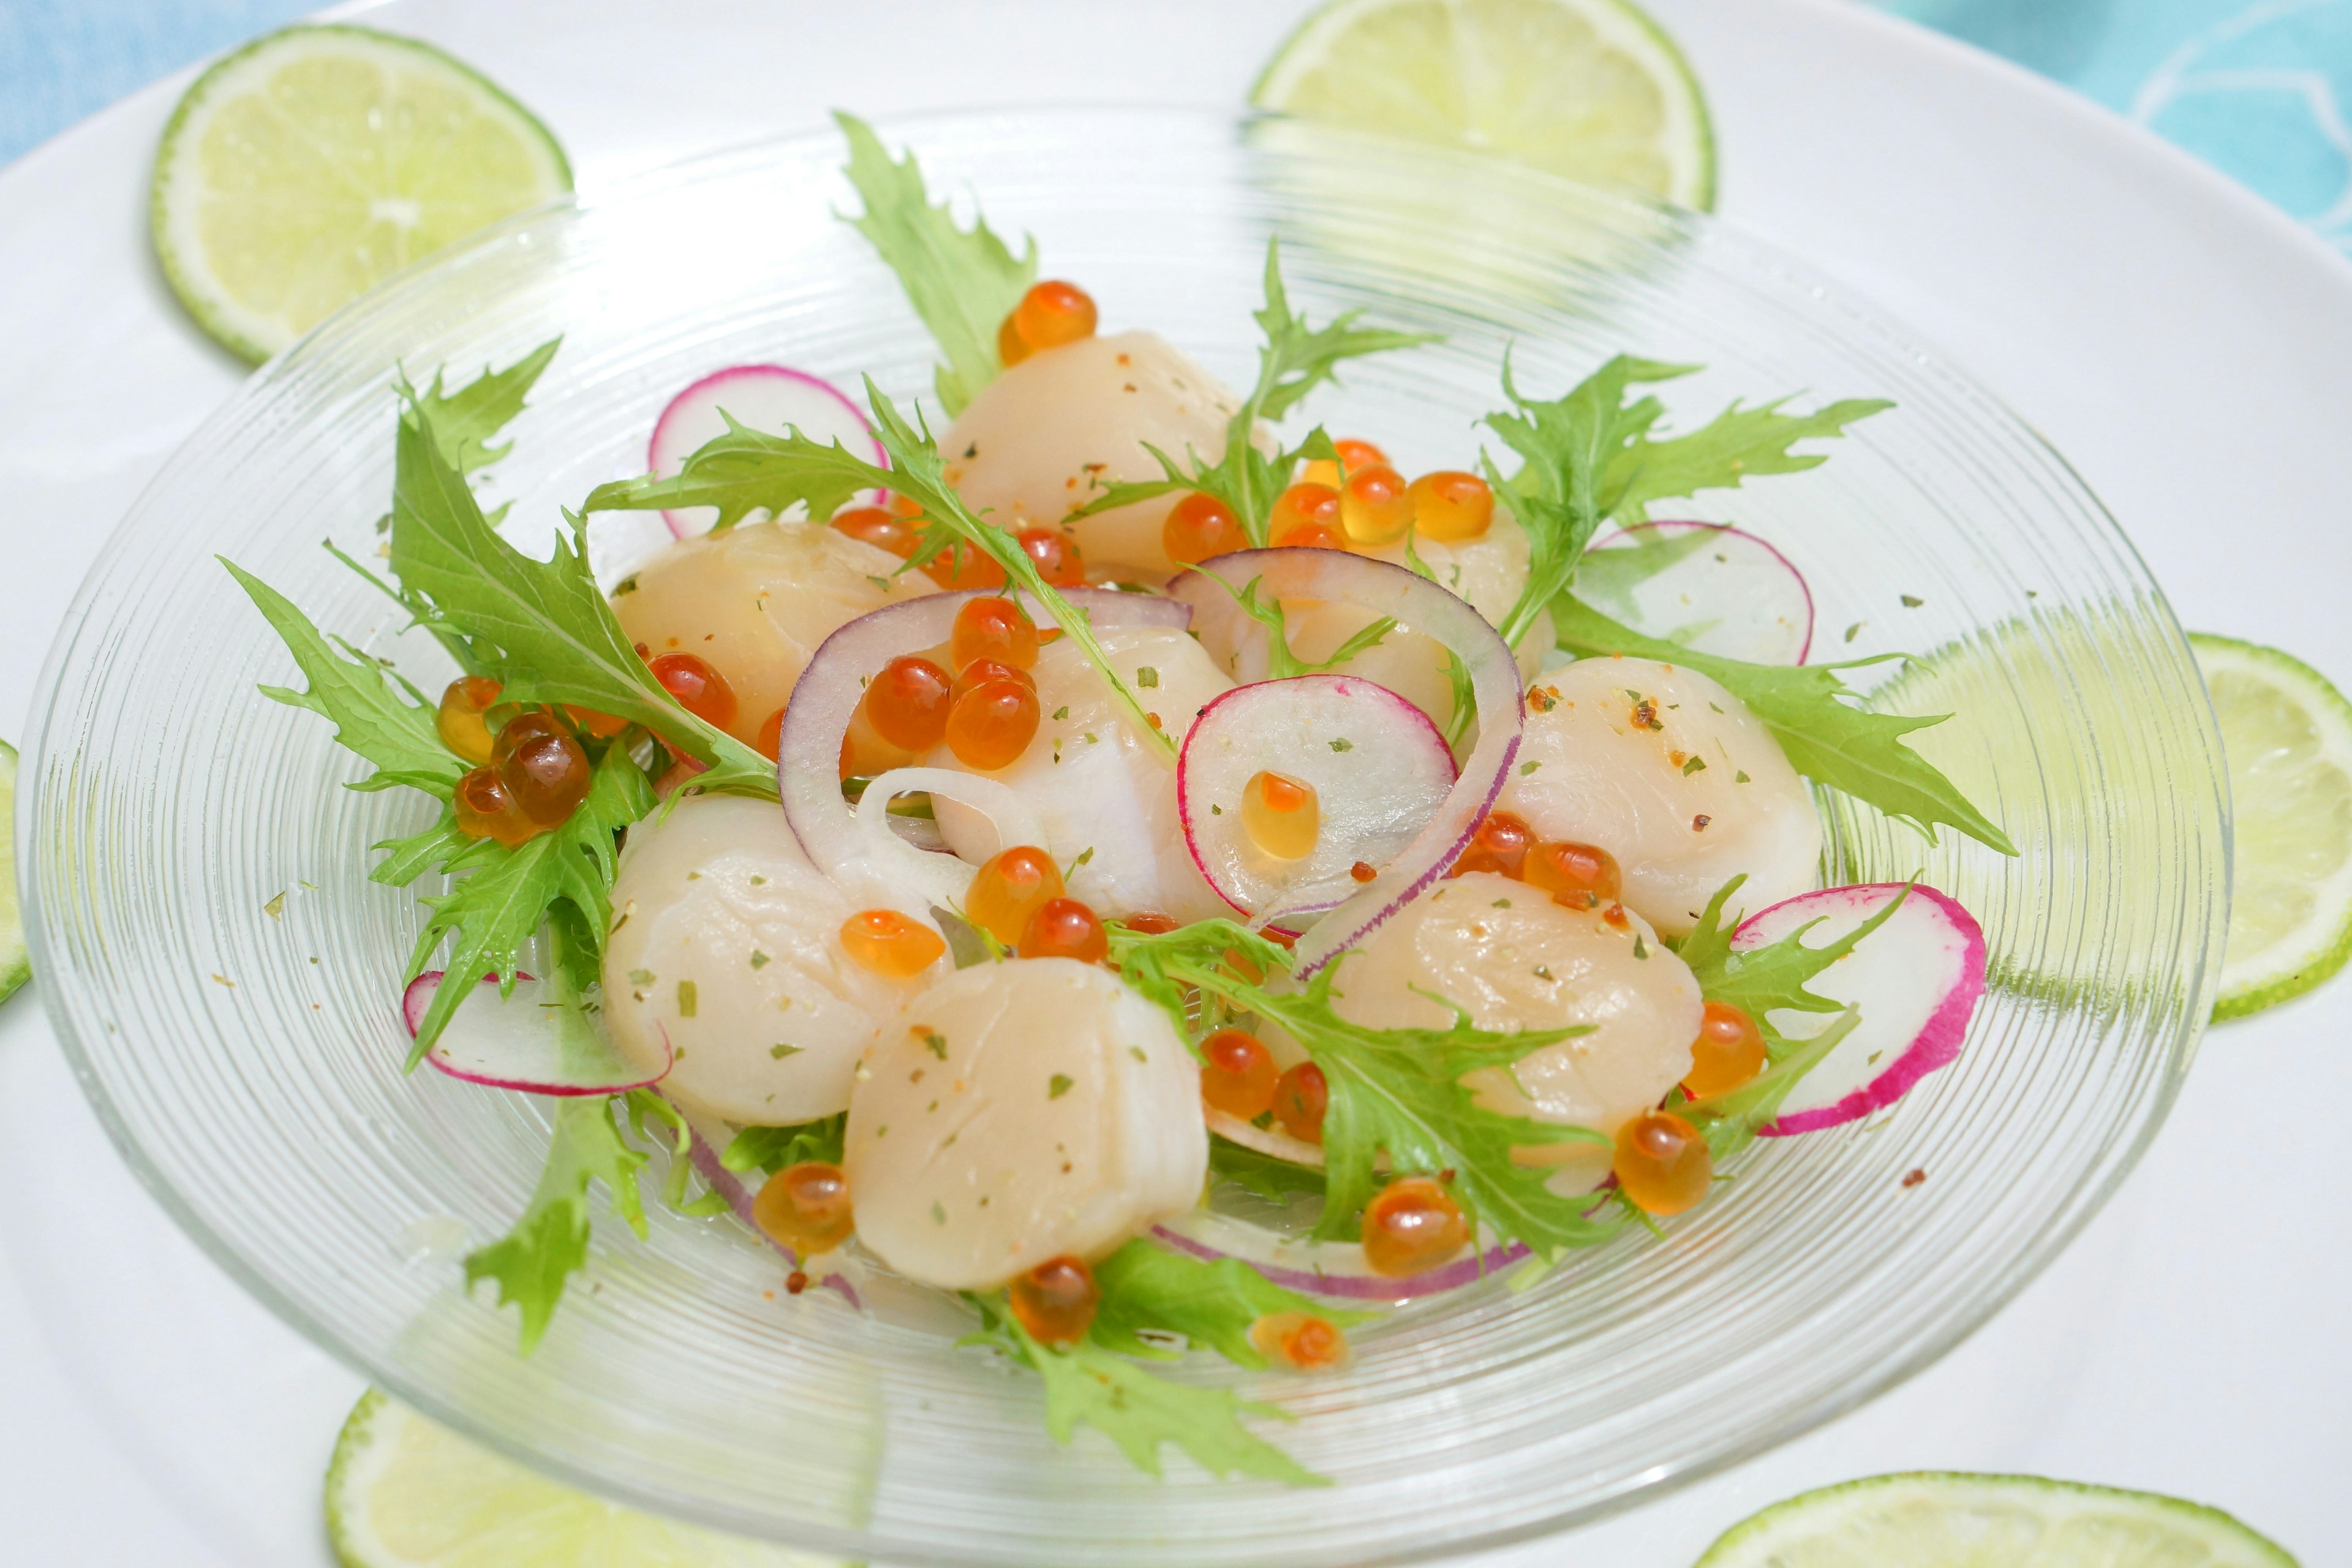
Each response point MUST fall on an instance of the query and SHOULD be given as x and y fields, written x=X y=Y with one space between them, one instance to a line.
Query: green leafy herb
x=549 y=1242
x=1140 y=1411
x=542 y=628
x=1738 y=444
x=1766 y=980
x=1844 y=747
x=503 y=896
x=743 y=471
x=1146 y=1288
x=773 y=1149
x=355 y=693
x=961 y=282
x=1295 y=361
x=464 y=421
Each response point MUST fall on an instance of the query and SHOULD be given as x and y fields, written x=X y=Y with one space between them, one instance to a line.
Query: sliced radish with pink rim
x=1413 y=601
x=524 y=1041
x=1379 y=768
x=764 y=398
x=1708 y=586
x=808 y=747
x=1335 y=1269
x=1915 y=980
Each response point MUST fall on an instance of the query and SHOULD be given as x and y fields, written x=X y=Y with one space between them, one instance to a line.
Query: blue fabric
x=2260 y=88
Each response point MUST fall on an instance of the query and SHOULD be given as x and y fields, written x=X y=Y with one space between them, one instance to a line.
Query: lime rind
x=1686 y=140
x=2268 y=832
x=1941 y=1518
x=177 y=187
x=16 y=958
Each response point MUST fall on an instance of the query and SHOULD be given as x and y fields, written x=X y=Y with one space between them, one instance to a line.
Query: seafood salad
x=1111 y=853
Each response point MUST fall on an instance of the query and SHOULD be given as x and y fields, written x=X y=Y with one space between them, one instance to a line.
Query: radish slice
x=523 y=1041
x=808 y=747
x=1378 y=767
x=1706 y=585
x=1915 y=979
x=1331 y=1269
x=1267 y=1140
x=944 y=879
x=1419 y=603
x=765 y=398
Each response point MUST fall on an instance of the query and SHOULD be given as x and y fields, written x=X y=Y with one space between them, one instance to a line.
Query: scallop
x=726 y=941
x=1104 y=794
x=1672 y=776
x=1487 y=573
x=1515 y=959
x=1016 y=1112
x=1031 y=446
x=754 y=603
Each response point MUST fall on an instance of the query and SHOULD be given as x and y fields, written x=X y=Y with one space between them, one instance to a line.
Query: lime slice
x=315 y=163
x=1588 y=89
x=16 y=963
x=1931 y=1519
x=403 y=1492
x=2287 y=736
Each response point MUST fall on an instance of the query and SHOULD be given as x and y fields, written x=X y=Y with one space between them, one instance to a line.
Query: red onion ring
x=1413 y=601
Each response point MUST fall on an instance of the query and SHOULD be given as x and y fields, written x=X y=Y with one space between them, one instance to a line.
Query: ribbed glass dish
x=246 y=1052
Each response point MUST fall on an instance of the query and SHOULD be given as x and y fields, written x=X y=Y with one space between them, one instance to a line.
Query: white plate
x=2184 y=345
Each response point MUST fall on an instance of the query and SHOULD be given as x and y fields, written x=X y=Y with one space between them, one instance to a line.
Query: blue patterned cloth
x=2260 y=88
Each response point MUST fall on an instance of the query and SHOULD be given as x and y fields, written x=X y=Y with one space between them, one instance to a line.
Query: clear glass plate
x=248 y=1062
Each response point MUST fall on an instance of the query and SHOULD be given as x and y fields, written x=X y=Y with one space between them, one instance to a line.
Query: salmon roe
x=1055 y=1302
x=992 y=723
x=1375 y=507
x=699 y=689
x=600 y=726
x=981 y=672
x=542 y=766
x=1009 y=888
x=1500 y=845
x=1307 y=516
x=1412 y=1225
x=1728 y=1053
x=1581 y=875
x=1301 y=1096
x=1237 y=1074
x=907 y=702
x=963 y=565
x=994 y=628
x=884 y=530
x=486 y=810
x=459 y=717
x=1662 y=1163
x=864 y=755
x=805 y=1207
x=1281 y=814
x=1055 y=554
x=1200 y=526
x=1065 y=927
x=1353 y=455
x=771 y=739
x=1300 y=1341
x=1451 y=506
x=1051 y=314
x=890 y=944
x=1150 y=924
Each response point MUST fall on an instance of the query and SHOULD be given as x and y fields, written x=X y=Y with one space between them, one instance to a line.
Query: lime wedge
x=16 y=963
x=1588 y=89
x=403 y=1492
x=315 y=163
x=2287 y=736
x=1931 y=1519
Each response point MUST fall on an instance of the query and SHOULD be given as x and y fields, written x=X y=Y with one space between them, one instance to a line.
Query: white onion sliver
x=943 y=879
x=1416 y=602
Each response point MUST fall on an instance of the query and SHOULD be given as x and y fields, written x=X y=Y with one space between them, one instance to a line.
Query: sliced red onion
x=1379 y=768
x=942 y=879
x=1915 y=979
x=808 y=747
x=766 y=397
x=1724 y=592
x=521 y=1042
x=1334 y=1269
x=1415 y=602
x=703 y=1151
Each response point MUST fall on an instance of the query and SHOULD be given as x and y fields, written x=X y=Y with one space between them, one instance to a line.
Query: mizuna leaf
x=533 y=1261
